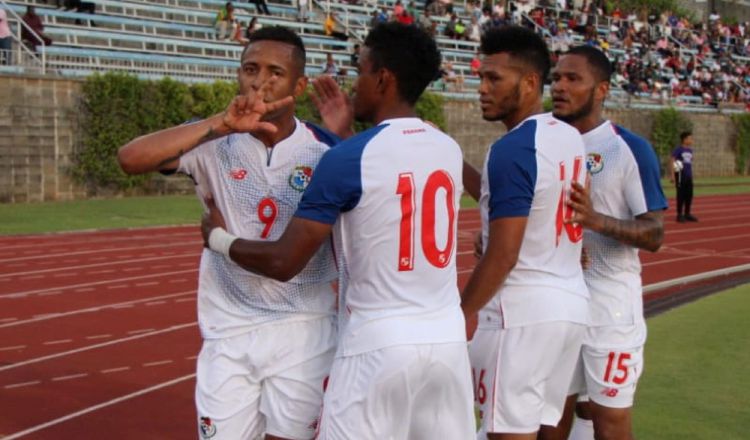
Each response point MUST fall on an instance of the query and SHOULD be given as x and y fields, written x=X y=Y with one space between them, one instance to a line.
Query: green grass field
x=696 y=385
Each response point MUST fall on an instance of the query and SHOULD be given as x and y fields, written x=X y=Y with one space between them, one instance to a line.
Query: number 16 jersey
x=394 y=190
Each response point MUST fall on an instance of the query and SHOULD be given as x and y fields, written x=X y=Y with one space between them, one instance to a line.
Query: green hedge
x=742 y=148
x=665 y=133
x=117 y=107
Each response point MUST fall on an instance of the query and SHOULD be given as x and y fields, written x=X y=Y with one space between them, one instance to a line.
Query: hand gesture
x=212 y=218
x=245 y=111
x=334 y=106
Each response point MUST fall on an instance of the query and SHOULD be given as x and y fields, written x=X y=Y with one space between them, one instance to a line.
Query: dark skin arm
x=646 y=231
x=281 y=259
x=472 y=181
x=500 y=257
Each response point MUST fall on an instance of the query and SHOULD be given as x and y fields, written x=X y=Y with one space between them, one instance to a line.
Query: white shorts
x=407 y=392
x=609 y=375
x=269 y=380
x=522 y=374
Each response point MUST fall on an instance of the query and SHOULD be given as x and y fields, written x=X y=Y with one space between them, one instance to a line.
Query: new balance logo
x=610 y=392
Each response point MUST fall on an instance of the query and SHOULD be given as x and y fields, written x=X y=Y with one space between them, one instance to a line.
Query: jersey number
x=267 y=211
x=437 y=257
x=564 y=212
x=621 y=367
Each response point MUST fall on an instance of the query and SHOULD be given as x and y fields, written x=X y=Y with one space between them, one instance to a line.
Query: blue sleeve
x=676 y=153
x=323 y=135
x=648 y=168
x=511 y=173
x=336 y=184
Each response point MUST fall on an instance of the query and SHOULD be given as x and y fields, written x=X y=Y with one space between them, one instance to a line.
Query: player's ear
x=602 y=90
x=385 y=80
x=300 y=86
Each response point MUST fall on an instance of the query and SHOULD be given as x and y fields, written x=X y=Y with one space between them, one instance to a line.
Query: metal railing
x=40 y=59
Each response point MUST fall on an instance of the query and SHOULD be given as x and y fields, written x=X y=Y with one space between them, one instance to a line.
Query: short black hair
x=685 y=134
x=522 y=44
x=602 y=67
x=410 y=53
x=281 y=35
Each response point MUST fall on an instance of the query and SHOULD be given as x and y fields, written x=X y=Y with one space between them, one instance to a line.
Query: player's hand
x=472 y=322
x=334 y=106
x=212 y=218
x=478 y=247
x=245 y=111
x=580 y=201
x=585 y=259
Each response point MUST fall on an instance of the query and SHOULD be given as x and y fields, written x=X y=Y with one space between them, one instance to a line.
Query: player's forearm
x=486 y=279
x=156 y=151
x=643 y=233
x=264 y=258
x=472 y=180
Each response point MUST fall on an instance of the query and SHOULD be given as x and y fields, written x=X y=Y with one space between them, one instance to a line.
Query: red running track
x=98 y=337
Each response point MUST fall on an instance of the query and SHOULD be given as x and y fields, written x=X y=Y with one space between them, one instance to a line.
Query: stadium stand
x=658 y=60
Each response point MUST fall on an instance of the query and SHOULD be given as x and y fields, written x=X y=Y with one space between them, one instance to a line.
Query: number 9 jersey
x=258 y=189
x=394 y=191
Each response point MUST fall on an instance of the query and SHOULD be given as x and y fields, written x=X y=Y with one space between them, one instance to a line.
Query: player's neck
x=286 y=127
x=394 y=111
x=588 y=123
x=514 y=119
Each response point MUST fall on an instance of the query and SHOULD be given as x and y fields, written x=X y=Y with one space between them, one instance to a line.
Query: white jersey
x=395 y=190
x=527 y=173
x=257 y=189
x=625 y=183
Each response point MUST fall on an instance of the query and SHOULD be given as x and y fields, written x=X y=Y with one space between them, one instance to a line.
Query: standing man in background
x=682 y=176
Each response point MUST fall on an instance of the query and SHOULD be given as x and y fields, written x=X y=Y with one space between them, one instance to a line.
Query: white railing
x=41 y=60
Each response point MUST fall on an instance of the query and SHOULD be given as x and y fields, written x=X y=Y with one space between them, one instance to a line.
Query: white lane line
x=114 y=370
x=4 y=320
x=117 y=400
x=142 y=330
x=13 y=347
x=68 y=377
x=102 y=336
x=54 y=292
x=95 y=251
x=84 y=289
x=96 y=283
x=191 y=358
x=184 y=300
x=99 y=272
x=89 y=241
x=59 y=341
x=66 y=274
x=150 y=283
x=178 y=280
x=117 y=286
x=95 y=346
x=31 y=277
x=21 y=384
x=154 y=364
x=155 y=303
x=123 y=306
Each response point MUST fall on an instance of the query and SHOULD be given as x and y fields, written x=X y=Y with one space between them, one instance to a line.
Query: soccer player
x=529 y=282
x=621 y=213
x=402 y=367
x=267 y=345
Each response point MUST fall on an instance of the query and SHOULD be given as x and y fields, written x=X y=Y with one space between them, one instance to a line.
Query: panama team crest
x=207 y=427
x=594 y=162
x=300 y=178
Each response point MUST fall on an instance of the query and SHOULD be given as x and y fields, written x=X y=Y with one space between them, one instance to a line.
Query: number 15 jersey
x=395 y=191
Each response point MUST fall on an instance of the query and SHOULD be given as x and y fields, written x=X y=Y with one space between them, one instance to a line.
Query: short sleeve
x=646 y=170
x=512 y=172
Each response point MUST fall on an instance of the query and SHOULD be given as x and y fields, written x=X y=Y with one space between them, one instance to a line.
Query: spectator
x=303 y=10
x=354 y=60
x=330 y=67
x=450 y=76
x=450 y=27
x=475 y=64
x=425 y=21
x=405 y=18
x=35 y=23
x=261 y=7
x=224 y=22
x=5 y=39
x=81 y=6
x=398 y=9
x=475 y=32
x=329 y=26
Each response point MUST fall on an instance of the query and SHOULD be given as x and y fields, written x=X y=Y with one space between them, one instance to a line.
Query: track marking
x=14 y=347
x=96 y=283
x=102 y=336
x=22 y=384
x=117 y=400
x=114 y=370
x=95 y=346
x=142 y=330
x=156 y=363
x=59 y=341
x=155 y=303
x=94 y=251
x=191 y=358
x=4 y=320
x=88 y=241
x=69 y=377
x=108 y=263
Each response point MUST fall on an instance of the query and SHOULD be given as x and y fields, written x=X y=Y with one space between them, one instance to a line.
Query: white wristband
x=220 y=240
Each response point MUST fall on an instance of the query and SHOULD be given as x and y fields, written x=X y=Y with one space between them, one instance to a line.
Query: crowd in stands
x=656 y=54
